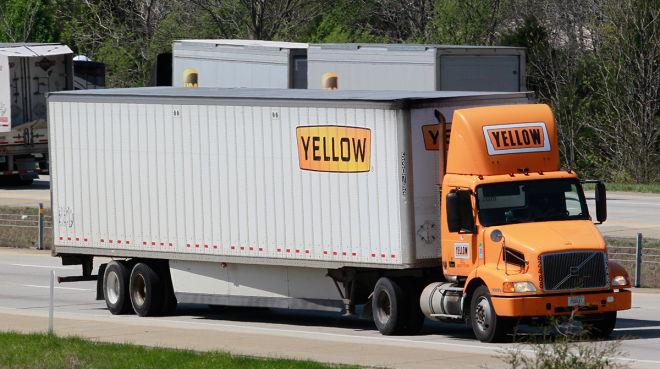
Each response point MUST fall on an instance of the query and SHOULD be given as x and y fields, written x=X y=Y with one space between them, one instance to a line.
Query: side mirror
x=601 y=202
x=453 y=212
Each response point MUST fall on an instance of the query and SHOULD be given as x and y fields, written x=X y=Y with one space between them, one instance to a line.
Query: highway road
x=326 y=337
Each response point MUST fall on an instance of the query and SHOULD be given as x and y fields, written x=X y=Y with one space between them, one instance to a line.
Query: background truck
x=326 y=200
x=27 y=73
x=268 y=64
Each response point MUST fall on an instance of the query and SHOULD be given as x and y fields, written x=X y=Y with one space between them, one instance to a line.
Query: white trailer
x=27 y=73
x=381 y=67
x=249 y=197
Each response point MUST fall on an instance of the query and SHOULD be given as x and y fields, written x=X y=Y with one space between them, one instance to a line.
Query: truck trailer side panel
x=225 y=180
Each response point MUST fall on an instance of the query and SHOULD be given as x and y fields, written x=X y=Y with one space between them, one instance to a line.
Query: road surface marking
x=634 y=328
x=41 y=266
x=11 y=253
x=62 y=288
x=639 y=294
x=20 y=194
x=639 y=224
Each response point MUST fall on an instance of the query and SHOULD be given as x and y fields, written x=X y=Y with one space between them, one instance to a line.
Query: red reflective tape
x=251 y=249
x=128 y=242
x=373 y=255
x=61 y=238
x=215 y=247
x=392 y=255
x=233 y=247
x=22 y=171
x=101 y=239
x=279 y=250
x=325 y=252
x=162 y=243
x=344 y=253
x=288 y=250
x=188 y=245
x=19 y=142
x=306 y=251
x=383 y=255
x=68 y=238
x=196 y=245
x=261 y=249
x=354 y=254
x=110 y=241
x=153 y=244
x=85 y=240
x=206 y=246
x=242 y=247
x=297 y=251
x=3 y=143
x=334 y=253
x=144 y=243
x=77 y=239
x=43 y=140
x=170 y=244
x=119 y=241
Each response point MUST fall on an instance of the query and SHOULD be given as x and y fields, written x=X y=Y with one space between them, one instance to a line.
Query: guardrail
x=39 y=221
x=638 y=255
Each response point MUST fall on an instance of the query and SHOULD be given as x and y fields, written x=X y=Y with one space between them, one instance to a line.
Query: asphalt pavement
x=321 y=336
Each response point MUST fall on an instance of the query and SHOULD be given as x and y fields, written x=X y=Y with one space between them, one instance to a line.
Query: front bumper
x=558 y=304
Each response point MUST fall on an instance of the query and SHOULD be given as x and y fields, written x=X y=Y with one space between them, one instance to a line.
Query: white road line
x=41 y=266
x=61 y=288
x=635 y=328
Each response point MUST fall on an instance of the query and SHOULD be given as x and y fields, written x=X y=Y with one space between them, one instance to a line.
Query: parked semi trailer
x=382 y=67
x=326 y=200
x=27 y=72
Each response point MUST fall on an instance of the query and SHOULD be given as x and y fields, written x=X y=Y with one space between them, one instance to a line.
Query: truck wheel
x=115 y=288
x=388 y=305
x=487 y=326
x=601 y=328
x=146 y=291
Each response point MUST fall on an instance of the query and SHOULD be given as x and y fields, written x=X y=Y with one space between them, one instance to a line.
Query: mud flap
x=99 y=282
x=367 y=310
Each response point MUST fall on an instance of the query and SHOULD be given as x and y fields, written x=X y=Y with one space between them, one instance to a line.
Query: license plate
x=575 y=300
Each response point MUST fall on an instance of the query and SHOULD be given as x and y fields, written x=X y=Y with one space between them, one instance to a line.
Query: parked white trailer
x=382 y=67
x=27 y=73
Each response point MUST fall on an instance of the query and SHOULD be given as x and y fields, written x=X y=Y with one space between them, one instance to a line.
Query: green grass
x=626 y=187
x=49 y=351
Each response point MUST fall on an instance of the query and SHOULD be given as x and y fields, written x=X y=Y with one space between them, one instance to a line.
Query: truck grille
x=575 y=270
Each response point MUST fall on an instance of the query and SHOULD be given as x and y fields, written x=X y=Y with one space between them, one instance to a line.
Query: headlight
x=620 y=280
x=518 y=287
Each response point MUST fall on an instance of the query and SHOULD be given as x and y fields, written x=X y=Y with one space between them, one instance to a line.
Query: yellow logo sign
x=516 y=138
x=190 y=78
x=431 y=136
x=330 y=81
x=334 y=148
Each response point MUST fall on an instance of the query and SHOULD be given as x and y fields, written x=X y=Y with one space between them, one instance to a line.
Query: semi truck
x=27 y=72
x=329 y=200
x=408 y=67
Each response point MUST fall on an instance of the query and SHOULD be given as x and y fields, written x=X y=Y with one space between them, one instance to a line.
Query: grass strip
x=626 y=187
x=38 y=350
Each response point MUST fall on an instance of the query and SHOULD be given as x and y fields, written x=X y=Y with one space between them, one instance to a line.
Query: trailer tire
x=115 y=288
x=146 y=291
x=389 y=307
x=601 y=328
x=487 y=325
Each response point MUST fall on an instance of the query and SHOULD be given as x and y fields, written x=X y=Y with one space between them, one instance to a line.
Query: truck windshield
x=531 y=201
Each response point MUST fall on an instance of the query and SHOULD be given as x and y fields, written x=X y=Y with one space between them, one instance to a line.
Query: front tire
x=116 y=287
x=601 y=328
x=146 y=291
x=487 y=325
x=388 y=304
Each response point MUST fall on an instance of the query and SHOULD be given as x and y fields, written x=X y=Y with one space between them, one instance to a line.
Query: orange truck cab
x=518 y=243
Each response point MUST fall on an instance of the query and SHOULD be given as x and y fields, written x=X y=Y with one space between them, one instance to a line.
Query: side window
x=467 y=216
x=573 y=205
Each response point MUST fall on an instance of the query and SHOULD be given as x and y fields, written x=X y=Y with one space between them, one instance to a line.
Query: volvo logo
x=575 y=271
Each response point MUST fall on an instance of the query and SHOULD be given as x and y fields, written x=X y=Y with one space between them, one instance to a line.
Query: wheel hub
x=139 y=290
x=112 y=288
x=482 y=313
x=384 y=306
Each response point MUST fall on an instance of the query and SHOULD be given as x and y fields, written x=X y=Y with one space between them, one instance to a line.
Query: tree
x=260 y=19
x=27 y=21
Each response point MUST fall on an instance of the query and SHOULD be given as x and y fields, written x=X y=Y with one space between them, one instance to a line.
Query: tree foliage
x=595 y=62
